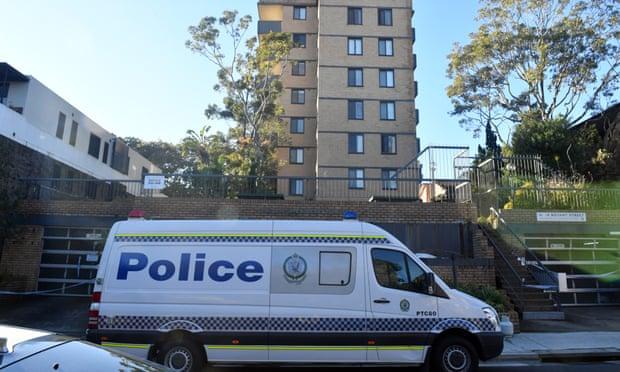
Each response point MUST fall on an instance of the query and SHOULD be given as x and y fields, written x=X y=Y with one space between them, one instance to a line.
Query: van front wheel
x=454 y=354
x=181 y=355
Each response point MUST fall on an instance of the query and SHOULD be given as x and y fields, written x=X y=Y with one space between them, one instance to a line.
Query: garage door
x=70 y=259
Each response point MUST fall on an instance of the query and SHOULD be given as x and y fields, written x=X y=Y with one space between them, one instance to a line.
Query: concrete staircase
x=531 y=300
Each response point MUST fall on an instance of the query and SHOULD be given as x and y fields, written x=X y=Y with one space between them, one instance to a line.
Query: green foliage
x=569 y=151
x=167 y=156
x=553 y=59
x=250 y=79
x=488 y=294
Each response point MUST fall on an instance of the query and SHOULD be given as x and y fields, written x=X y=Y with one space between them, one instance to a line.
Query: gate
x=70 y=260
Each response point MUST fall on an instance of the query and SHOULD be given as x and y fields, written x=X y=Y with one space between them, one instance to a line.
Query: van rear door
x=400 y=307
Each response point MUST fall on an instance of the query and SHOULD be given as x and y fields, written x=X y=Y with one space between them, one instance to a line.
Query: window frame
x=303 y=125
x=387 y=118
x=387 y=180
x=60 y=127
x=385 y=136
x=350 y=137
x=295 y=70
x=97 y=140
x=296 y=151
x=355 y=39
x=106 y=152
x=354 y=103
x=387 y=72
x=386 y=40
x=295 y=93
x=407 y=258
x=293 y=181
x=352 y=13
x=300 y=45
x=297 y=15
x=74 y=133
x=355 y=70
x=353 y=182
x=379 y=18
x=350 y=268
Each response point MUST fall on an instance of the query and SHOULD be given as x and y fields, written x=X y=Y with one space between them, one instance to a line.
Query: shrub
x=488 y=294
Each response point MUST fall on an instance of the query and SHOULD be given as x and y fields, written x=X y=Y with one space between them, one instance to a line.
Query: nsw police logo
x=295 y=268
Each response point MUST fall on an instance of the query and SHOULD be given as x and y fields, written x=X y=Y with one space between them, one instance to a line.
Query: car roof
x=16 y=335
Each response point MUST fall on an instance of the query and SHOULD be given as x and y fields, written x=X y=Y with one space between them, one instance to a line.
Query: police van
x=188 y=293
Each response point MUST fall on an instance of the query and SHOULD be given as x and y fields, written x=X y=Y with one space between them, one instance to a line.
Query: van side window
x=394 y=269
x=334 y=268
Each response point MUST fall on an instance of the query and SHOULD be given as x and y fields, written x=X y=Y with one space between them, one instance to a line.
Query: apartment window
x=388 y=110
x=355 y=46
x=94 y=145
x=297 y=125
x=354 y=16
x=356 y=110
x=298 y=96
x=388 y=144
x=60 y=129
x=300 y=12
x=356 y=143
x=386 y=47
x=299 y=40
x=385 y=17
x=388 y=175
x=296 y=186
x=356 y=178
x=296 y=155
x=386 y=78
x=299 y=68
x=73 y=134
x=106 y=151
x=356 y=77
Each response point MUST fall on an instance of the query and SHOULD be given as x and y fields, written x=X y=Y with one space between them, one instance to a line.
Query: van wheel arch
x=176 y=336
x=458 y=332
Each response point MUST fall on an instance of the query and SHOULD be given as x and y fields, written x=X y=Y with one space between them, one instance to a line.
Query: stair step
x=543 y=315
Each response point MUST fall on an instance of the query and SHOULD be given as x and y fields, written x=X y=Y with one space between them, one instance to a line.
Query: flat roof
x=10 y=73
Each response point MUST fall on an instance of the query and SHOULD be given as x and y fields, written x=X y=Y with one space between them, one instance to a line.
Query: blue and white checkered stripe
x=249 y=239
x=297 y=324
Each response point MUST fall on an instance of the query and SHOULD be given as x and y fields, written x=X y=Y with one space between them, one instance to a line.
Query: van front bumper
x=491 y=344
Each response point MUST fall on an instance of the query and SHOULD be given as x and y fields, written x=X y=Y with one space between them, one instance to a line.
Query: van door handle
x=382 y=301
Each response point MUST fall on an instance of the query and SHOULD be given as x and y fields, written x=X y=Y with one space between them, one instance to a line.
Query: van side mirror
x=429 y=279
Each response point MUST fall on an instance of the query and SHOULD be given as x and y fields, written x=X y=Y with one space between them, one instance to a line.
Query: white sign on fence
x=154 y=182
x=560 y=217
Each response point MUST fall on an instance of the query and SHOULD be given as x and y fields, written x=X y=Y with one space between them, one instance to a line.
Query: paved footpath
x=562 y=345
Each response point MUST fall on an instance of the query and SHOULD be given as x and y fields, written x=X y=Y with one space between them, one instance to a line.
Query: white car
x=23 y=349
x=186 y=293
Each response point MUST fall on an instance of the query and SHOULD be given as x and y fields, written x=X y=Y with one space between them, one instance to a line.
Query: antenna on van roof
x=350 y=215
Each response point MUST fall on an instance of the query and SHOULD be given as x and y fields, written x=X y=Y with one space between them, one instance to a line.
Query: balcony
x=265 y=27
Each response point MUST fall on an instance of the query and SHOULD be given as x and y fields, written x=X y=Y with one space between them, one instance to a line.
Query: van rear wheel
x=454 y=354
x=181 y=355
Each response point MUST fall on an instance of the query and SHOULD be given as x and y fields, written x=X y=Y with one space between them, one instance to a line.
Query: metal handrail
x=428 y=148
x=508 y=264
x=539 y=264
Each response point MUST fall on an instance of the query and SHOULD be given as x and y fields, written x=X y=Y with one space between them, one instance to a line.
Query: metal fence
x=218 y=187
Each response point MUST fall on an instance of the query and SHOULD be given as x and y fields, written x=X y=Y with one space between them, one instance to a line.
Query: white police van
x=186 y=293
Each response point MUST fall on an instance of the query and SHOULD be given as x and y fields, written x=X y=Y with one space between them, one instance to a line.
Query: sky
x=125 y=65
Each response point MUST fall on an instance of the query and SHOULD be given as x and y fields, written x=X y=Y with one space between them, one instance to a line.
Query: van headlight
x=492 y=316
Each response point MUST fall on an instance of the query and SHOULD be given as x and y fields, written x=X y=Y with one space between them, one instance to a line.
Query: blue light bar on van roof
x=350 y=215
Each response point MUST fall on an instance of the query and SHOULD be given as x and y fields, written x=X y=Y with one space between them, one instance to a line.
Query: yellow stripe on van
x=128 y=346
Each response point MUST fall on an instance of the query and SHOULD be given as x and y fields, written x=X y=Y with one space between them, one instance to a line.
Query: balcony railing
x=231 y=187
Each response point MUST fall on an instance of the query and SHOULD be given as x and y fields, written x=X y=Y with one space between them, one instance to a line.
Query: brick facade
x=20 y=258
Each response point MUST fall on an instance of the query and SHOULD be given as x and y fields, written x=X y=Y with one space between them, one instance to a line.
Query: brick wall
x=20 y=259
x=171 y=208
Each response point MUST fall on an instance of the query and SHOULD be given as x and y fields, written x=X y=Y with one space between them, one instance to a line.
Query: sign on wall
x=154 y=182
x=560 y=217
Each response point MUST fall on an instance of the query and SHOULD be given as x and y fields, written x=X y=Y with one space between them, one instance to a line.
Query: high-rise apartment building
x=349 y=90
